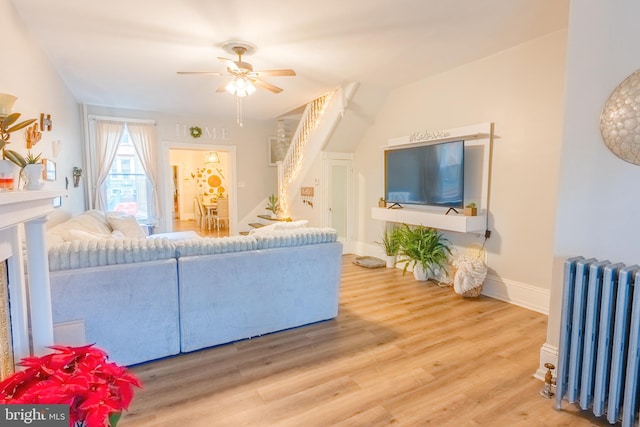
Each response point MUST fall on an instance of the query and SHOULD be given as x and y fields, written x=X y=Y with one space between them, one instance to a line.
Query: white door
x=338 y=172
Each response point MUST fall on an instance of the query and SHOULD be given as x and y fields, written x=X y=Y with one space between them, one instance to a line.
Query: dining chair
x=205 y=218
x=222 y=213
x=197 y=212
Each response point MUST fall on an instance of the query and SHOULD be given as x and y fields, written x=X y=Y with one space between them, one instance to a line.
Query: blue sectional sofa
x=144 y=299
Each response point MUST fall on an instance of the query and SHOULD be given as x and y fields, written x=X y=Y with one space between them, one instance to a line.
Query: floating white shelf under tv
x=451 y=222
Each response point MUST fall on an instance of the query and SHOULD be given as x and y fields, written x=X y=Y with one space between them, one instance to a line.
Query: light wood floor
x=400 y=353
x=187 y=225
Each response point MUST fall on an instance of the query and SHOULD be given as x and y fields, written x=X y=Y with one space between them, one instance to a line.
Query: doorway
x=192 y=171
x=338 y=196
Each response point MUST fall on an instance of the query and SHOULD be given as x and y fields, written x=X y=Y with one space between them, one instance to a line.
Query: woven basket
x=473 y=293
x=477 y=252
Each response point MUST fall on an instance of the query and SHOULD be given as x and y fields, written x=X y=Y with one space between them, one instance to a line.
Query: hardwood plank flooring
x=399 y=353
x=191 y=225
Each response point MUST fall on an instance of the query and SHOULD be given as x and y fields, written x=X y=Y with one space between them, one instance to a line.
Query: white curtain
x=143 y=137
x=108 y=135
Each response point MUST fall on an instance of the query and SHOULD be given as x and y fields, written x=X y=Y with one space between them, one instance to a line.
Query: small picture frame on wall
x=276 y=150
x=49 y=170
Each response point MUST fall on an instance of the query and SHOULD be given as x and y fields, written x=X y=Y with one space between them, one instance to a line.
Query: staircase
x=318 y=121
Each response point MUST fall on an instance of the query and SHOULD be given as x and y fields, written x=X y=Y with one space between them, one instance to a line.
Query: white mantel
x=28 y=208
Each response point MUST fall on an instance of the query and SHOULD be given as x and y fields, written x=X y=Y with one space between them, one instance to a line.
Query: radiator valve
x=549 y=381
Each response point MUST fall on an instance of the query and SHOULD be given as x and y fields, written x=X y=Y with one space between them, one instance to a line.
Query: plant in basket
x=97 y=391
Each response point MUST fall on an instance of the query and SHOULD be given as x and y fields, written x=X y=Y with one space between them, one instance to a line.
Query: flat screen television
x=430 y=175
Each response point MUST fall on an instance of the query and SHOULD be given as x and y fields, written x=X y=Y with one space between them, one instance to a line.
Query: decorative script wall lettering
x=429 y=135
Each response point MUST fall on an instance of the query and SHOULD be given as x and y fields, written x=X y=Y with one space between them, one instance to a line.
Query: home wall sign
x=620 y=120
x=205 y=132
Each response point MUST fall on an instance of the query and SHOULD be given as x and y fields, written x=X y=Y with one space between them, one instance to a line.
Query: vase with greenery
x=273 y=205
x=32 y=171
x=8 y=171
x=390 y=242
x=96 y=390
x=424 y=249
x=77 y=174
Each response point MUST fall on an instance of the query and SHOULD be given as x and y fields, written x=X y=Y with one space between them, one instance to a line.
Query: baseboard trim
x=517 y=293
x=511 y=291
x=548 y=354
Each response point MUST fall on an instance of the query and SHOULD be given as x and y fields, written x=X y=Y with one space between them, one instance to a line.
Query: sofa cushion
x=295 y=237
x=175 y=235
x=94 y=253
x=215 y=245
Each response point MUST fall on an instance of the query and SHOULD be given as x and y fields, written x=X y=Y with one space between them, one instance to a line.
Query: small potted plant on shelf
x=424 y=249
x=32 y=171
x=273 y=205
x=470 y=209
x=391 y=244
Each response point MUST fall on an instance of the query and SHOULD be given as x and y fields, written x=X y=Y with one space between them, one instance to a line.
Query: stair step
x=268 y=218
x=256 y=224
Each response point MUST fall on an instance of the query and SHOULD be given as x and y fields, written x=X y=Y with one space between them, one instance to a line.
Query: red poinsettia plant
x=97 y=391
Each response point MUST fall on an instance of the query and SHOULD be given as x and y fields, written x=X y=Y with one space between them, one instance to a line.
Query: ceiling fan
x=244 y=78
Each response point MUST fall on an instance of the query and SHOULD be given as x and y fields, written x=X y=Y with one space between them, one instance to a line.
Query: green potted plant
x=77 y=174
x=424 y=249
x=32 y=171
x=8 y=171
x=273 y=205
x=391 y=244
x=470 y=209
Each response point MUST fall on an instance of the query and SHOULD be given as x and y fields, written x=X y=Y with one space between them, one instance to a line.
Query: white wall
x=27 y=74
x=598 y=204
x=521 y=91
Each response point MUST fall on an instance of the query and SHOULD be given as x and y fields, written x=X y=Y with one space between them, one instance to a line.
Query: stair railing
x=293 y=160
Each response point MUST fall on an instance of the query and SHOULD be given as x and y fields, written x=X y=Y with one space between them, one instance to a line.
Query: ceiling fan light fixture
x=240 y=86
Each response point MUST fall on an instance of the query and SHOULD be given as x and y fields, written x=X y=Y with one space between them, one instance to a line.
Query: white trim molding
x=517 y=293
x=548 y=354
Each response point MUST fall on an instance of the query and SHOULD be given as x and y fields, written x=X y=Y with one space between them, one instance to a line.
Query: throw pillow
x=128 y=226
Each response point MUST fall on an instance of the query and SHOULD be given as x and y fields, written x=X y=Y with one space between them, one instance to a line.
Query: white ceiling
x=125 y=53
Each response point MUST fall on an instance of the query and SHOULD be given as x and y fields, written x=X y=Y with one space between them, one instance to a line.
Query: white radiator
x=599 y=357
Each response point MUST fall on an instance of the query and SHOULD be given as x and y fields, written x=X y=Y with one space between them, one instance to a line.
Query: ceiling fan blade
x=274 y=73
x=231 y=65
x=208 y=73
x=222 y=88
x=265 y=85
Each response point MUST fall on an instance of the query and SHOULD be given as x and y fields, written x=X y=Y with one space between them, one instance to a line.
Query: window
x=127 y=185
